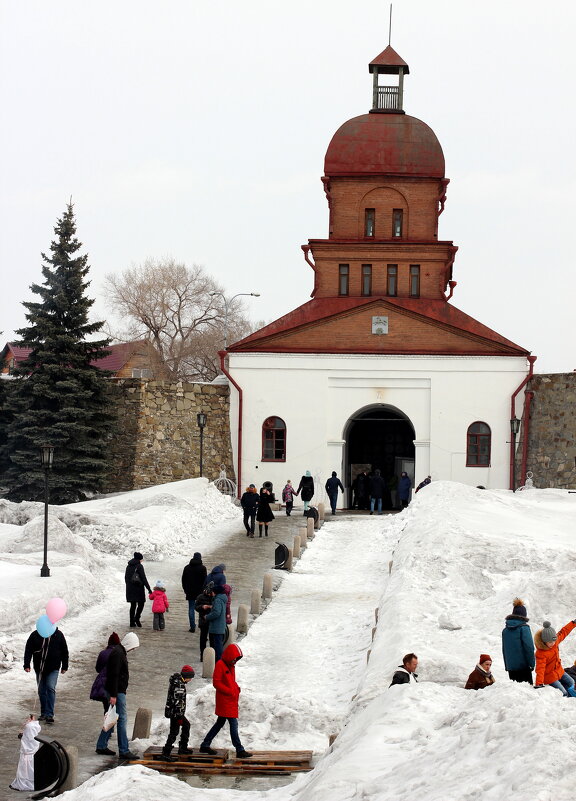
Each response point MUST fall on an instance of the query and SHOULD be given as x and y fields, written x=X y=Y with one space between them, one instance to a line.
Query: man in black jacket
x=135 y=579
x=377 y=487
x=406 y=671
x=203 y=605
x=332 y=486
x=49 y=657
x=117 y=677
x=193 y=578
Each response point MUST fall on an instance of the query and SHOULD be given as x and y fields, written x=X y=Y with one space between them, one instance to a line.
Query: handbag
x=110 y=718
x=136 y=577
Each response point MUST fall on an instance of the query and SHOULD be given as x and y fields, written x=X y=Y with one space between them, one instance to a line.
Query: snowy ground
x=85 y=541
x=460 y=556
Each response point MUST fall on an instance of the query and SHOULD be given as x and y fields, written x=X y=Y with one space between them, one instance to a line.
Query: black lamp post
x=514 y=429
x=201 y=418
x=46 y=460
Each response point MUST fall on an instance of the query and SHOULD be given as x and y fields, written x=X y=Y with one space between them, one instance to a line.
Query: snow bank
x=89 y=545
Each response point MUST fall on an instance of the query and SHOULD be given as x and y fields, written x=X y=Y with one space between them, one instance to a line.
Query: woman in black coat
x=136 y=580
x=265 y=514
x=306 y=489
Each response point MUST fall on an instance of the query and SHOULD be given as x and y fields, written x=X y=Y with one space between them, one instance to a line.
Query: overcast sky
x=198 y=130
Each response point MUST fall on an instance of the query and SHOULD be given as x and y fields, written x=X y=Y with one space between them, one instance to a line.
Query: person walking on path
x=175 y=709
x=98 y=691
x=49 y=657
x=193 y=578
x=406 y=672
x=265 y=514
x=288 y=495
x=28 y=746
x=227 y=695
x=332 y=486
x=216 y=619
x=518 y=645
x=203 y=605
x=481 y=676
x=549 y=669
x=160 y=605
x=404 y=487
x=117 y=679
x=377 y=487
x=306 y=489
x=136 y=581
x=216 y=574
x=249 y=504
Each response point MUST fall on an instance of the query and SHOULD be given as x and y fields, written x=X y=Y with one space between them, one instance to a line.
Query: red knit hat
x=484 y=658
x=187 y=672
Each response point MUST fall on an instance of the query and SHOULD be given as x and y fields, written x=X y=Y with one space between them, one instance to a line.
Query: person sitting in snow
x=481 y=676
x=406 y=671
x=571 y=671
x=28 y=746
x=549 y=669
x=424 y=483
x=518 y=645
x=159 y=605
x=175 y=709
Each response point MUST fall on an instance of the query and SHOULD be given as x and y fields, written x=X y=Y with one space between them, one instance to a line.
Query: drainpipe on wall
x=526 y=425
x=222 y=354
x=306 y=249
x=526 y=416
x=451 y=284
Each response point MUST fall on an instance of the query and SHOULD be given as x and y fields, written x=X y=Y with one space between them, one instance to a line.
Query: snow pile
x=89 y=544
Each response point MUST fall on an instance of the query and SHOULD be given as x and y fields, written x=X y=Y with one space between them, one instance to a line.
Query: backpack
x=136 y=577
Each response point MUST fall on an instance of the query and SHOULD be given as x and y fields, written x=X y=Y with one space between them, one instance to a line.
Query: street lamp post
x=227 y=302
x=46 y=460
x=201 y=418
x=514 y=429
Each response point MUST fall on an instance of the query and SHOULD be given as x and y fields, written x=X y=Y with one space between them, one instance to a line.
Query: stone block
x=142 y=724
x=296 y=547
x=255 y=602
x=267 y=584
x=71 y=780
x=242 y=619
x=208 y=662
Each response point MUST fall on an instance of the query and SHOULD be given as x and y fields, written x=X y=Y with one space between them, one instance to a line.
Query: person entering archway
x=377 y=487
x=332 y=486
x=306 y=489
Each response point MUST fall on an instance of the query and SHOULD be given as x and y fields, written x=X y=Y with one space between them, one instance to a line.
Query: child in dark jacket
x=159 y=605
x=176 y=710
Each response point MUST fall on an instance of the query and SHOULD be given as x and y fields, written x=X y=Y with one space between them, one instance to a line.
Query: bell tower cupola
x=388 y=99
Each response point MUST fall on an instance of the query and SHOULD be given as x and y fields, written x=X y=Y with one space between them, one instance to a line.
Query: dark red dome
x=384 y=144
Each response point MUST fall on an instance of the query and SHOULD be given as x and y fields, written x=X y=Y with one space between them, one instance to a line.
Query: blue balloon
x=44 y=627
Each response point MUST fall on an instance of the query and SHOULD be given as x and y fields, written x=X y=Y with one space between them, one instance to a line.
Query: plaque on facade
x=380 y=325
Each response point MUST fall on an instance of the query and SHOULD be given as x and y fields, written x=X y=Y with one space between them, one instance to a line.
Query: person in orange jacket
x=549 y=669
x=227 y=694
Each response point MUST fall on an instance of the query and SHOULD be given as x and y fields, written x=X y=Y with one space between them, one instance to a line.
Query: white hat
x=130 y=641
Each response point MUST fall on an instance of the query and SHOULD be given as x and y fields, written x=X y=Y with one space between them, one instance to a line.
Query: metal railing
x=388 y=97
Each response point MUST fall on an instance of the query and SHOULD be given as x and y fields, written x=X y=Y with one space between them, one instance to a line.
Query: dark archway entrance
x=379 y=437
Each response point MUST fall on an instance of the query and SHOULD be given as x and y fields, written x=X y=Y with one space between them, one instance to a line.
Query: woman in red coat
x=227 y=694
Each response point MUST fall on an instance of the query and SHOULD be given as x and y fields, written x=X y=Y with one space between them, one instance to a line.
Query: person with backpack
x=116 y=686
x=216 y=619
x=175 y=709
x=98 y=691
x=203 y=605
x=136 y=582
x=288 y=495
x=518 y=645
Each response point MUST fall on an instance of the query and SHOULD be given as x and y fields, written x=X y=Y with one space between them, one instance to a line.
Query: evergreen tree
x=58 y=397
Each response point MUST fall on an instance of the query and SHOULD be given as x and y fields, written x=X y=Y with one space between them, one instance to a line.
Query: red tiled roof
x=323 y=309
x=116 y=358
x=389 y=58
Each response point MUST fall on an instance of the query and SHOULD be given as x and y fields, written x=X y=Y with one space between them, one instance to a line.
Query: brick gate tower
x=406 y=379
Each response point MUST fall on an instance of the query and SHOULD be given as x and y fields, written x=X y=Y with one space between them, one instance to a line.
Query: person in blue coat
x=216 y=618
x=404 y=487
x=518 y=645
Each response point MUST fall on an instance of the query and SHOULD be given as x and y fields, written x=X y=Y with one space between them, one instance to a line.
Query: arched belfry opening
x=379 y=437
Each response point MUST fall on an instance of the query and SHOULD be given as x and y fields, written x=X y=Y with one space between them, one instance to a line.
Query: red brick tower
x=382 y=279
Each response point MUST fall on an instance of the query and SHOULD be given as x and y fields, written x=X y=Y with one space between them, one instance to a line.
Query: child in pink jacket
x=159 y=604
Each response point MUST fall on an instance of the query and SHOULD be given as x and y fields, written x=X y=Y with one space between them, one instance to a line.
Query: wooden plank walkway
x=224 y=763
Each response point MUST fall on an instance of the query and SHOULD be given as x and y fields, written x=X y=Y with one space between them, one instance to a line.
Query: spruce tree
x=58 y=397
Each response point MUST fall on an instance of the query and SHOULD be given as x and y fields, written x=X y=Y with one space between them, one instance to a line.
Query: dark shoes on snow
x=128 y=757
x=105 y=752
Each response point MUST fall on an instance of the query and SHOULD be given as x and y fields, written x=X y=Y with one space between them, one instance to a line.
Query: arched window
x=274 y=440
x=478 y=442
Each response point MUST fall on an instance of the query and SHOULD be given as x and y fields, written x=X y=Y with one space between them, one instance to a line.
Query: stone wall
x=552 y=435
x=156 y=438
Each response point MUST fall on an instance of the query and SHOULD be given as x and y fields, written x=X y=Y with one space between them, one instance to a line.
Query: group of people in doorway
x=522 y=655
x=370 y=491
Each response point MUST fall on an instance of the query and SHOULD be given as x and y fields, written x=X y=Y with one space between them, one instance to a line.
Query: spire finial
x=390 y=26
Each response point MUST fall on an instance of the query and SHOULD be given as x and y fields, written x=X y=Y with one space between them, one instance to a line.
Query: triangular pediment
x=378 y=325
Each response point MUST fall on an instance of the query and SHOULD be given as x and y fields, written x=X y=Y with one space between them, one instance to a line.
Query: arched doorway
x=379 y=437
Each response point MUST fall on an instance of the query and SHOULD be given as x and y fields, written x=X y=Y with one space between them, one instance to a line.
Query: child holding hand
x=159 y=605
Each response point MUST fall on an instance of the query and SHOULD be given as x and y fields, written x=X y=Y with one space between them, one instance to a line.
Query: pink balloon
x=56 y=609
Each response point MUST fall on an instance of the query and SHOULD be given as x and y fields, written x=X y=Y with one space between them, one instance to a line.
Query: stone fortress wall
x=552 y=434
x=156 y=438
